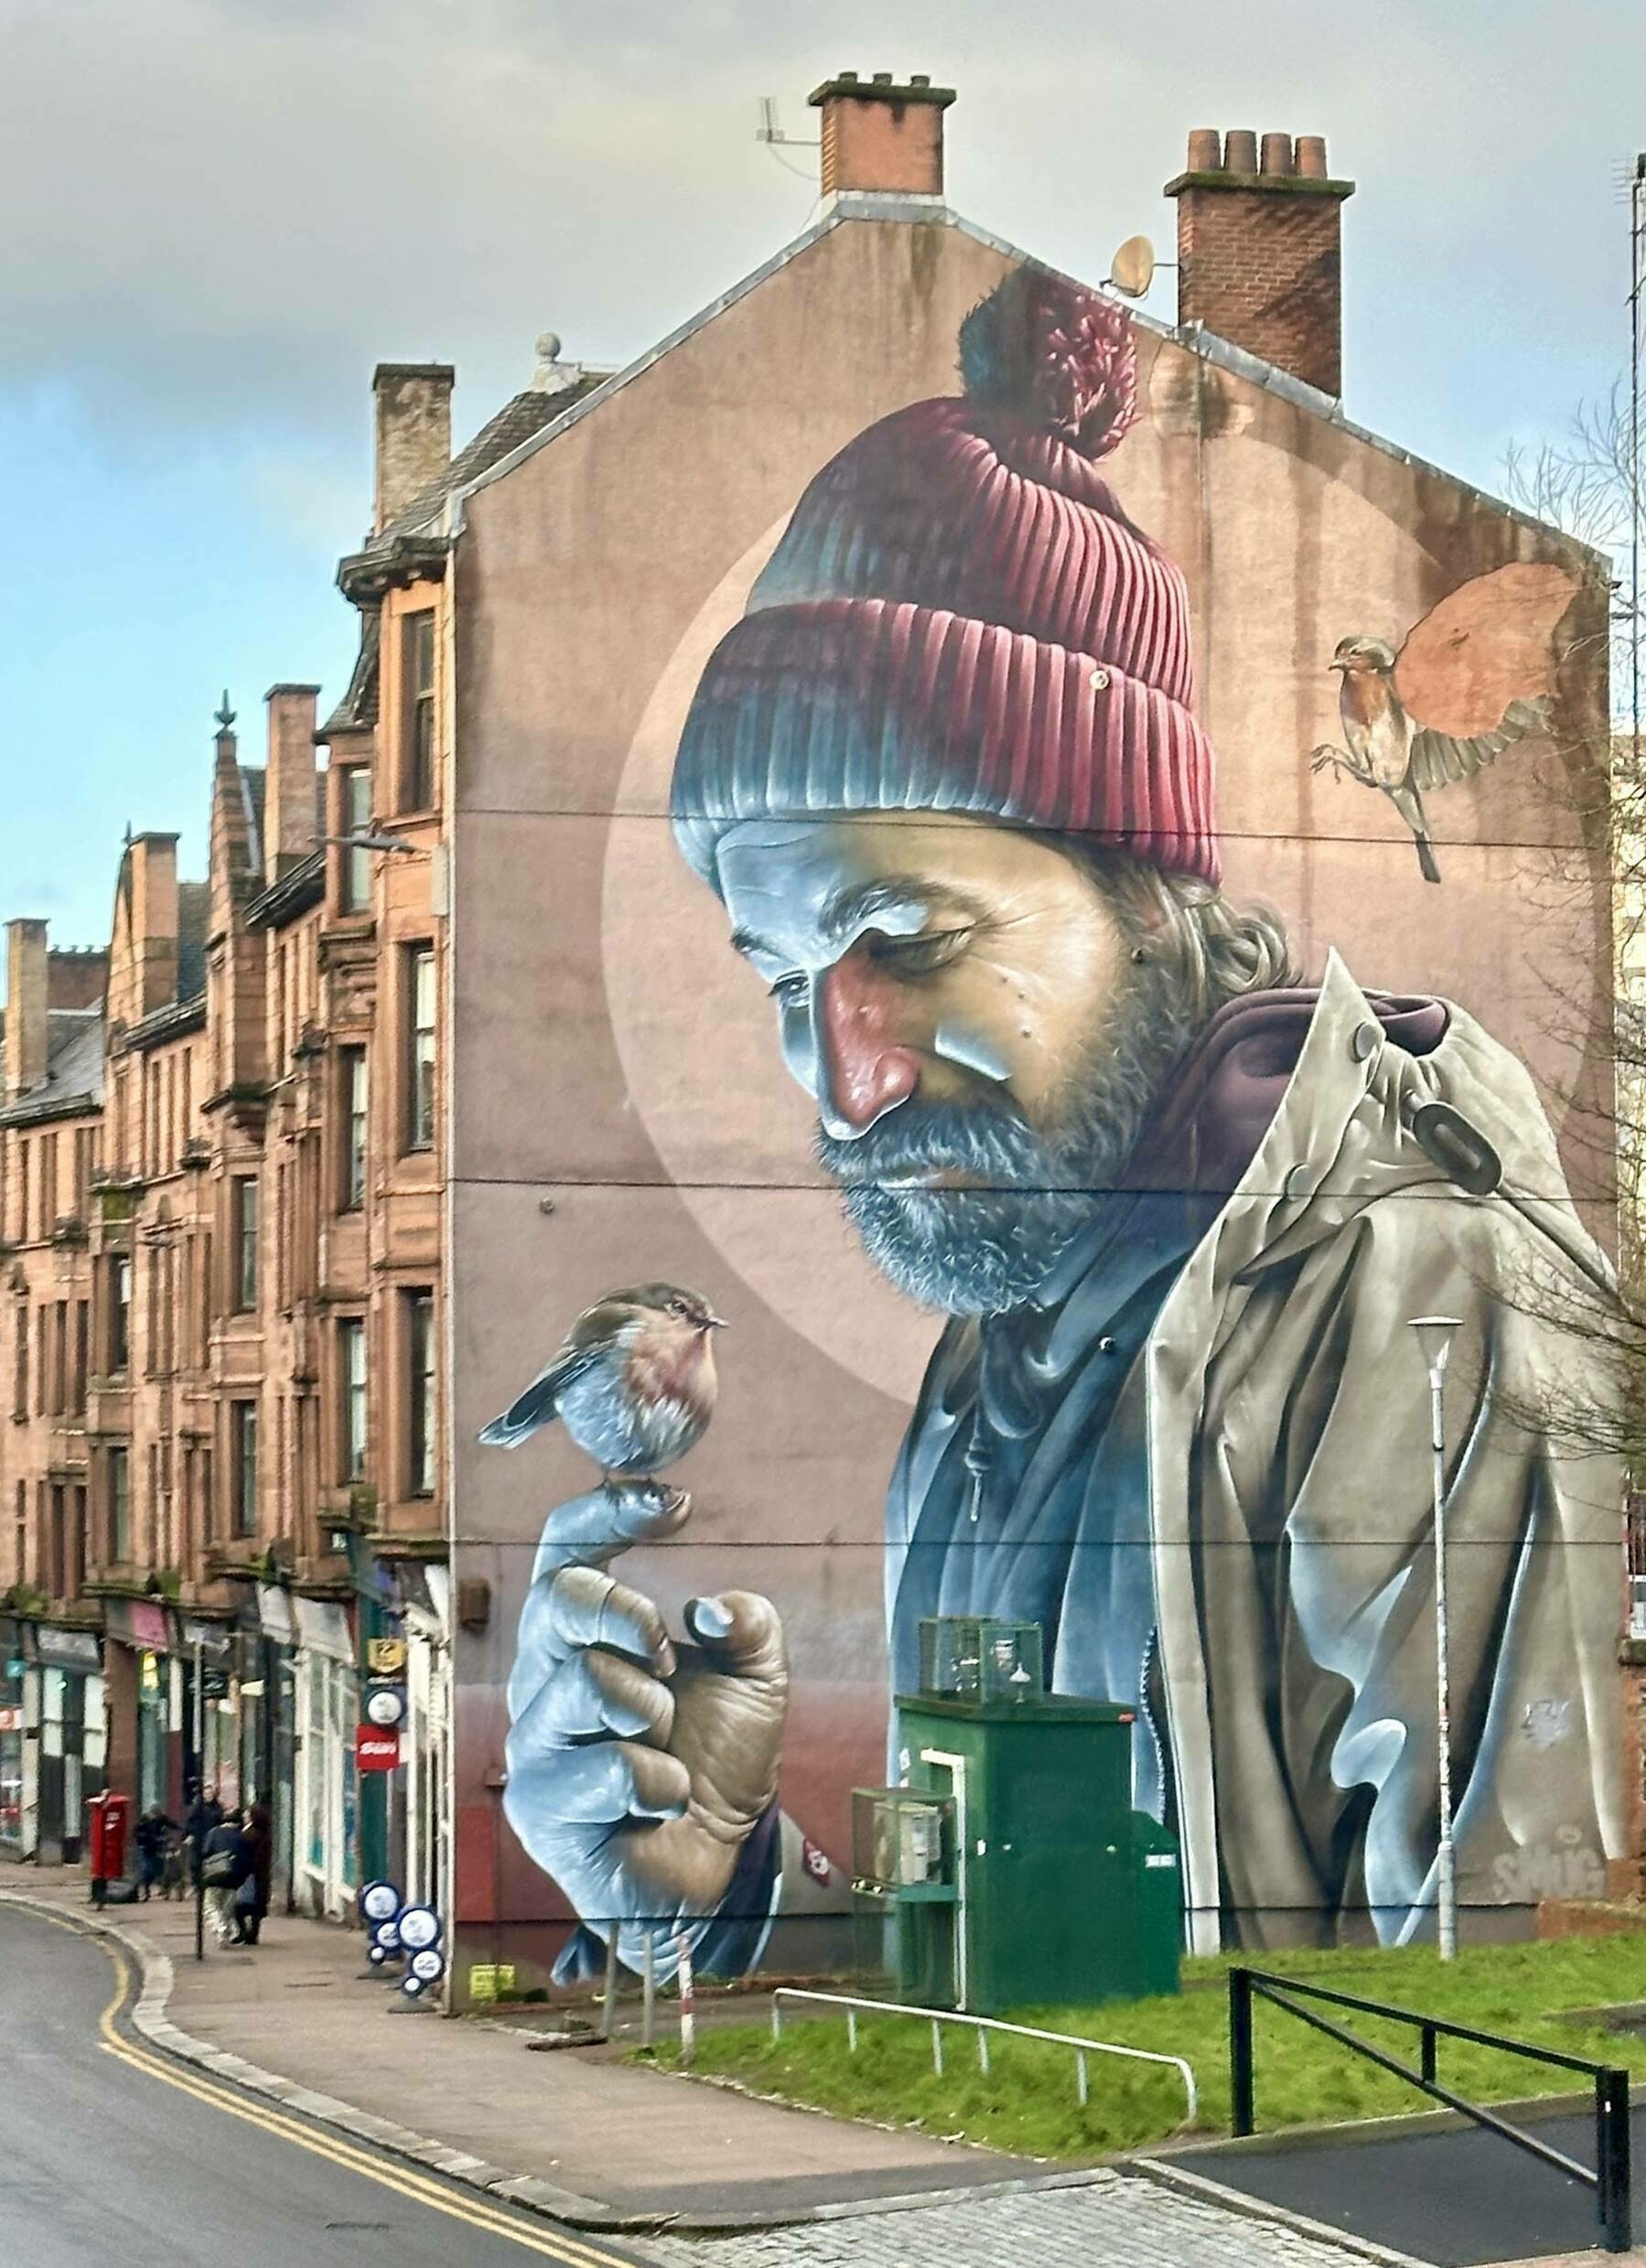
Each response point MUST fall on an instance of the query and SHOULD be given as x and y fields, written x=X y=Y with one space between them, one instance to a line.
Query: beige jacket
x=1290 y=1474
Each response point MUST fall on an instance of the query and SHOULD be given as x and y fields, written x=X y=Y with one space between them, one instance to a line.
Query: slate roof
x=413 y=534
x=518 y=420
x=194 y=908
x=357 y=711
x=73 y=1081
x=251 y=784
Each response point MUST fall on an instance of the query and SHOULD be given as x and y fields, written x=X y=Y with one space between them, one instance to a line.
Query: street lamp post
x=1435 y=1337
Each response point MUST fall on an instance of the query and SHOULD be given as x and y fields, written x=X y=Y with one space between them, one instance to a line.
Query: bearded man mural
x=947 y=779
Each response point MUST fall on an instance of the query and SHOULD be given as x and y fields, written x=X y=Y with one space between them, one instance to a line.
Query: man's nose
x=865 y=1073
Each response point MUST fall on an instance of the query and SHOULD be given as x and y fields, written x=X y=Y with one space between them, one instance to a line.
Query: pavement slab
x=1116 y=2219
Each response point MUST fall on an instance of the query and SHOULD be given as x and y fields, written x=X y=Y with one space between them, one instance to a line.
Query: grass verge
x=1025 y=2103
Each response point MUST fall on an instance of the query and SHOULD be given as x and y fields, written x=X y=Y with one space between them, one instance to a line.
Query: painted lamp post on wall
x=1435 y=1337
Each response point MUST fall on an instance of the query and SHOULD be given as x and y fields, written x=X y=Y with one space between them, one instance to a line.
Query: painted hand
x=639 y=1766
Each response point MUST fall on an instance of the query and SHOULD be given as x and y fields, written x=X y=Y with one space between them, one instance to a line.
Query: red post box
x=108 y=1820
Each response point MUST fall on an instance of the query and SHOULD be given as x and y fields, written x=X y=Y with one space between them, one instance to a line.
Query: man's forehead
x=788 y=884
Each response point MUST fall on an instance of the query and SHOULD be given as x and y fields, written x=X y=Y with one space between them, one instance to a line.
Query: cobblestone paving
x=1118 y=2220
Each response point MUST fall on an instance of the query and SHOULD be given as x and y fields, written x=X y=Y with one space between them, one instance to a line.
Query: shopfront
x=325 y=1873
x=426 y=1738
x=268 y=1723
x=70 y=1735
x=15 y=1797
x=206 y=1714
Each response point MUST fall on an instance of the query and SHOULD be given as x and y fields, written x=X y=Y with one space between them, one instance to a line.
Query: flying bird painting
x=634 y=1382
x=1475 y=676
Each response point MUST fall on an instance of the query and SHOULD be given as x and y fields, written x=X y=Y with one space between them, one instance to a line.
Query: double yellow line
x=474 y=2212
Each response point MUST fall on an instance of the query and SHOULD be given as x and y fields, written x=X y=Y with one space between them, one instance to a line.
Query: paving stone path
x=1119 y=2220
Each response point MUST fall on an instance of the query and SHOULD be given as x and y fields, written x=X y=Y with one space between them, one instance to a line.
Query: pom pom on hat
x=1054 y=353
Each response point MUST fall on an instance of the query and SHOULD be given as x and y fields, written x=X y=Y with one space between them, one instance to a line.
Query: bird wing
x=1488 y=646
x=540 y=1403
x=1438 y=758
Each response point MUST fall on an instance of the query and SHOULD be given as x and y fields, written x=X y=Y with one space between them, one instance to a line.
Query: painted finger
x=740 y=1632
x=589 y=1695
x=582 y=1607
x=601 y=1785
x=591 y=1530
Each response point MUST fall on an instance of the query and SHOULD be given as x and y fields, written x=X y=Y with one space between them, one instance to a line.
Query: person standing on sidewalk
x=225 y=1863
x=251 y=1899
x=153 y=1830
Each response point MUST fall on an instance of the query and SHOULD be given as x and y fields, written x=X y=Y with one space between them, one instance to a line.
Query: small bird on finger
x=634 y=1384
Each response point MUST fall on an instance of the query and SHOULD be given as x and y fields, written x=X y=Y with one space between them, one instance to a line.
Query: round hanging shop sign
x=386 y=1705
x=380 y=1902
x=419 y=1925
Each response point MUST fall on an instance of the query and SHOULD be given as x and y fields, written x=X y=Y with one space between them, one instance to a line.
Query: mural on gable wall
x=947 y=780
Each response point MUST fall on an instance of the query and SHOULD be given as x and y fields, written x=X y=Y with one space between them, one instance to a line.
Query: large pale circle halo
x=698 y=1043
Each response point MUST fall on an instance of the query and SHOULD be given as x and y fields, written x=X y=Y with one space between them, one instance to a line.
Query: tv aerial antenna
x=771 y=133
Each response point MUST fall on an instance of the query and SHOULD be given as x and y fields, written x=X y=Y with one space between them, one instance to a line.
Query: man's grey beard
x=978 y=1252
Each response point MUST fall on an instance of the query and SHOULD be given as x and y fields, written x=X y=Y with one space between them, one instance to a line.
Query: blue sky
x=221 y=213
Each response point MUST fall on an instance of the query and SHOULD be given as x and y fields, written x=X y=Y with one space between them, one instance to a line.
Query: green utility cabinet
x=1010 y=1868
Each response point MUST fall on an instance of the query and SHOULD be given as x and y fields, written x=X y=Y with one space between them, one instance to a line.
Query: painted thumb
x=741 y=1632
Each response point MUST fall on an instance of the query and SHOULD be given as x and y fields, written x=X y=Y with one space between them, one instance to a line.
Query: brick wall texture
x=1261 y=267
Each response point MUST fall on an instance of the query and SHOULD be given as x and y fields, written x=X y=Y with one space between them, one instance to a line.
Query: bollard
x=688 y=2006
x=608 y=1999
x=648 y=1994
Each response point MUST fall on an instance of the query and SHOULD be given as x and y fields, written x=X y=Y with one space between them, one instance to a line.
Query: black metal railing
x=1610 y=2177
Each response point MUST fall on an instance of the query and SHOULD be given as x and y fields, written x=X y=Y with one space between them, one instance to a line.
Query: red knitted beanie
x=961 y=617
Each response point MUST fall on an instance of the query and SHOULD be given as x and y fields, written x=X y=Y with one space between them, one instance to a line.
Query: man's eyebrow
x=747 y=941
x=848 y=908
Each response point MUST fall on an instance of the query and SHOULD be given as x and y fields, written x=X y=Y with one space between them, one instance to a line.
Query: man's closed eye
x=924 y=955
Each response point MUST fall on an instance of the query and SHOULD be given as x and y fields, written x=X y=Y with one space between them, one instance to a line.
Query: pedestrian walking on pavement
x=251 y=1899
x=153 y=1830
x=225 y=1863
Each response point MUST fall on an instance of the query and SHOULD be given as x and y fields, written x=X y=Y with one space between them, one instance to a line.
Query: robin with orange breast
x=1391 y=750
x=634 y=1384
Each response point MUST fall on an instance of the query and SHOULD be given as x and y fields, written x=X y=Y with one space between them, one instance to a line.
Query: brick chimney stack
x=151 y=864
x=77 y=977
x=291 y=830
x=26 y=997
x=879 y=137
x=1258 y=249
x=414 y=432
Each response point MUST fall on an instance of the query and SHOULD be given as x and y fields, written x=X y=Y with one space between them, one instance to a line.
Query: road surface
x=113 y=2152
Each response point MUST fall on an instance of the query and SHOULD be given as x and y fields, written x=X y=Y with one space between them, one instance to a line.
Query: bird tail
x=1425 y=859
x=535 y=1408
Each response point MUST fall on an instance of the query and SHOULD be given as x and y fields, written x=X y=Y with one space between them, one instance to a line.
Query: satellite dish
x=1132 y=270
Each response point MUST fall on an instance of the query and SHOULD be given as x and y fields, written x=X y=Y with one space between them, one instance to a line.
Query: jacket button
x=1365 y=1039
x=1298 y=1184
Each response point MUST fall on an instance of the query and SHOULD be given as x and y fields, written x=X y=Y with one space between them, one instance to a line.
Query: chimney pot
x=1277 y=154
x=919 y=78
x=880 y=138
x=413 y=433
x=1240 y=151
x=1205 y=150
x=1311 y=157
